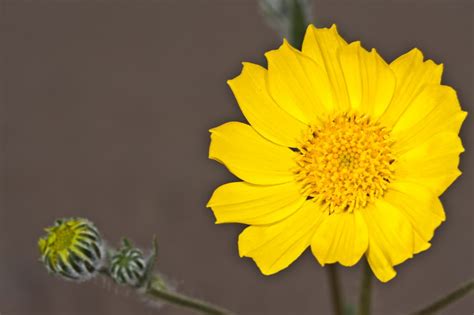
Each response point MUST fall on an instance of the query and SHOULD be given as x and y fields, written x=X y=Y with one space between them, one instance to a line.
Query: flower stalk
x=335 y=287
x=156 y=290
x=298 y=23
x=288 y=17
x=365 y=290
x=446 y=300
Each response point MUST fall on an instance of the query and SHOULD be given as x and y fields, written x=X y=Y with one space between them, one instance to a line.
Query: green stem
x=446 y=300
x=365 y=290
x=298 y=24
x=335 y=287
x=156 y=290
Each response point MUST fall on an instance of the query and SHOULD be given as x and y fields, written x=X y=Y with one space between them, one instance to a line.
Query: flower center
x=346 y=162
x=63 y=238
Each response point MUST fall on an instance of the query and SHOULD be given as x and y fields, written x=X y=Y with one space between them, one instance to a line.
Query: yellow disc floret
x=346 y=162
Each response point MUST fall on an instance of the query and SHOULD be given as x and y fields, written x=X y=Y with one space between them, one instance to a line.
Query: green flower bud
x=128 y=265
x=72 y=249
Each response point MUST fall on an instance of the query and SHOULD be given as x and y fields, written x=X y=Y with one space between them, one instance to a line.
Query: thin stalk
x=298 y=24
x=336 y=296
x=365 y=290
x=155 y=289
x=446 y=300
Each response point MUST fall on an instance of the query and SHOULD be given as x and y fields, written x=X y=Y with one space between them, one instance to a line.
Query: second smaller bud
x=127 y=265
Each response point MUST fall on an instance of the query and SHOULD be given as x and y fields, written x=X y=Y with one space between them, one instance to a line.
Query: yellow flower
x=344 y=153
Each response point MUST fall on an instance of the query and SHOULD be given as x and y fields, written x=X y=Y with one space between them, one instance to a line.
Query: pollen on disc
x=345 y=162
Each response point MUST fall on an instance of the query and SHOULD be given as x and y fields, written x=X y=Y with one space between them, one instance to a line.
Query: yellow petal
x=275 y=247
x=322 y=45
x=260 y=109
x=42 y=244
x=250 y=156
x=433 y=164
x=412 y=75
x=241 y=202
x=436 y=109
x=341 y=237
x=390 y=238
x=298 y=84
x=370 y=81
x=422 y=208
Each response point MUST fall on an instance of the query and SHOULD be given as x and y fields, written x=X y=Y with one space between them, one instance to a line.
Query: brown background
x=105 y=112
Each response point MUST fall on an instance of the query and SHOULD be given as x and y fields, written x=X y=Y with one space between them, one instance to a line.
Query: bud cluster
x=73 y=249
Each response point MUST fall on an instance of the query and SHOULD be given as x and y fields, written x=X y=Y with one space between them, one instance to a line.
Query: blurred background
x=105 y=111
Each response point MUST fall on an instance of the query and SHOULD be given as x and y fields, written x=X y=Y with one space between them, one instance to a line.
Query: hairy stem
x=157 y=290
x=336 y=297
x=446 y=300
x=365 y=290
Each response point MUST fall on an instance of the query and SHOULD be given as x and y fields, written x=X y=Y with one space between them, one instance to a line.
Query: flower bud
x=72 y=249
x=128 y=265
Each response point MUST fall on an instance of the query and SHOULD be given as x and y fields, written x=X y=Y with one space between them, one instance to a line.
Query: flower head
x=72 y=249
x=128 y=265
x=343 y=153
